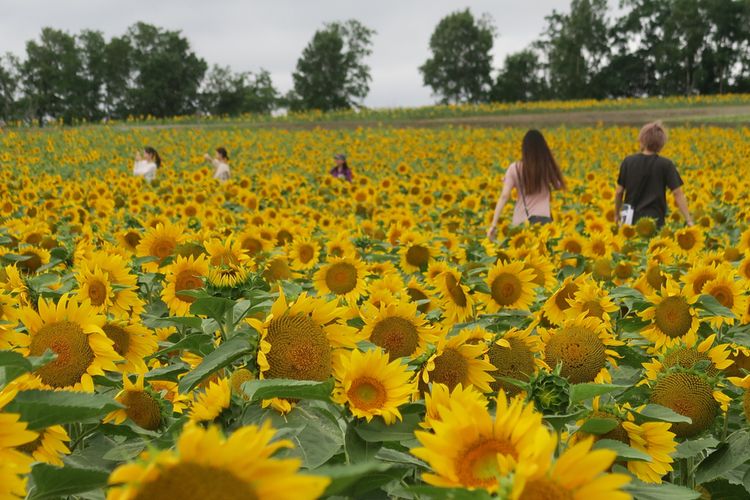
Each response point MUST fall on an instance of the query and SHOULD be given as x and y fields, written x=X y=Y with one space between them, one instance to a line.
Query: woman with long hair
x=341 y=170
x=220 y=162
x=146 y=163
x=534 y=177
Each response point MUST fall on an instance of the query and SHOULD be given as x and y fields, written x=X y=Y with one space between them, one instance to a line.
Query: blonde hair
x=653 y=136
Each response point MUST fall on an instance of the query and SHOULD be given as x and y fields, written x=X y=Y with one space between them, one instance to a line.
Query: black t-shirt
x=646 y=179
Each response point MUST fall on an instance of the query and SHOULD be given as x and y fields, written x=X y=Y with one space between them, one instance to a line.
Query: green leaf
x=212 y=307
x=52 y=482
x=357 y=449
x=733 y=453
x=12 y=366
x=227 y=352
x=624 y=452
x=691 y=448
x=582 y=392
x=356 y=480
x=664 y=491
x=661 y=414
x=318 y=436
x=377 y=431
x=42 y=409
x=125 y=451
x=399 y=457
x=424 y=491
x=712 y=307
x=257 y=390
x=599 y=426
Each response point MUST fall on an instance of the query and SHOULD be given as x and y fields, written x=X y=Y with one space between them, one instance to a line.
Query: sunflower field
x=287 y=334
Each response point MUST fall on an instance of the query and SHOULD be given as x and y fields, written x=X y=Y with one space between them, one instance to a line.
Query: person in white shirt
x=220 y=163
x=146 y=163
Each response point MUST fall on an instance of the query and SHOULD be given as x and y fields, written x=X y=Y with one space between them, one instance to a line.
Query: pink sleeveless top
x=536 y=204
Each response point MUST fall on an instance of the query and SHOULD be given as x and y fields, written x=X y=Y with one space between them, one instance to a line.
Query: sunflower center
x=418 y=256
x=132 y=238
x=515 y=362
x=306 y=253
x=142 y=409
x=252 y=245
x=593 y=309
x=417 y=296
x=688 y=395
x=277 y=270
x=686 y=357
x=31 y=264
x=506 y=289
x=477 y=465
x=74 y=354
x=673 y=316
x=723 y=295
x=162 y=248
x=544 y=488
x=31 y=446
x=581 y=352
x=119 y=336
x=187 y=280
x=562 y=296
x=398 y=336
x=341 y=278
x=655 y=278
x=191 y=481
x=451 y=369
x=686 y=241
x=455 y=290
x=299 y=349
x=702 y=280
x=367 y=393
x=97 y=292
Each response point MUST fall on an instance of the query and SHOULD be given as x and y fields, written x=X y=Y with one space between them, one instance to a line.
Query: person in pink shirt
x=534 y=177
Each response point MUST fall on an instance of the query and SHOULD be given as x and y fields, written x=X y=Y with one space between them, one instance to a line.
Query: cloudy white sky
x=270 y=34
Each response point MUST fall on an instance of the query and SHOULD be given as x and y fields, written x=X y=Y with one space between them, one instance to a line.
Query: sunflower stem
x=726 y=426
x=83 y=435
x=690 y=471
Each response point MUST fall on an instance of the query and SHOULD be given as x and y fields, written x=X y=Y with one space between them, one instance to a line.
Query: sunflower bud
x=550 y=393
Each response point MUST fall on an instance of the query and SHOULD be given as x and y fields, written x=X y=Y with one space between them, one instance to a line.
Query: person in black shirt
x=645 y=177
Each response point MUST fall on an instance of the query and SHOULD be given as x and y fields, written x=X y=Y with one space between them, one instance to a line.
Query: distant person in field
x=341 y=170
x=645 y=177
x=146 y=163
x=220 y=162
x=534 y=177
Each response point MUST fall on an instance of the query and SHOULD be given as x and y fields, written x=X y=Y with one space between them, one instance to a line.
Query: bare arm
x=501 y=202
x=681 y=201
x=619 y=192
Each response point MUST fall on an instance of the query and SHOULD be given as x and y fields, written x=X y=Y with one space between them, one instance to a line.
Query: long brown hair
x=539 y=166
x=152 y=152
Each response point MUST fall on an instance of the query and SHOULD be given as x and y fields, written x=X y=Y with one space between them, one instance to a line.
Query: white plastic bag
x=626 y=214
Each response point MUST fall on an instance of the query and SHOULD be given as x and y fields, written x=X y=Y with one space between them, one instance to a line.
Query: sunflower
x=212 y=401
x=14 y=464
x=343 y=277
x=673 y=318
x=419 y=295
x=139 y=405
x=698 y=276
x=416 y=253
x=95 y=287
x=227 y=276
x=9 y=337
x=457 y=301
x=186 y=273
x=730 y=293
x=303 y=253
x=580 y=473
x=125 y=300
x=688 y=393
x=559 y=302
x=226 y=252
x=515 y=355
x=511 y=287
x=438 y=399
x=34 y=259
x=254 y=241
x=583 y=346
x=652 y=280
x=398 y=329
x=592 y=301
x=49 y=446
x=133 y=341
x=207 y=465
x=129 y=239
x=159 y=242
x=687 y=355
x=298 y=339
x=458 y=362
x=469 y=448
x=689 y=240
x=744 y=383
x=371 y=385
x=544 y=269
x=73 y=331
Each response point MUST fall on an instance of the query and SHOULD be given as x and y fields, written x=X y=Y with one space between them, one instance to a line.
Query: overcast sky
x=248 y=35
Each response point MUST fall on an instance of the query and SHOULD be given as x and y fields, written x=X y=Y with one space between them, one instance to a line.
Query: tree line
x=654 y=48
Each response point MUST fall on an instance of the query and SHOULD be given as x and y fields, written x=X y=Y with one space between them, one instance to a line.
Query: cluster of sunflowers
x=290 y=335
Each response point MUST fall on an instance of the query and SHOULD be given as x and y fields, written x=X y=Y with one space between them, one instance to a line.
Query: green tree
x=461 y=62
x=331 y=72
x=166 y=73
x=118 y=68
x=92 y=49
x=520 y=79
x=229 y=93
x=577 y=46
x=9 y=87
x=52 y=76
